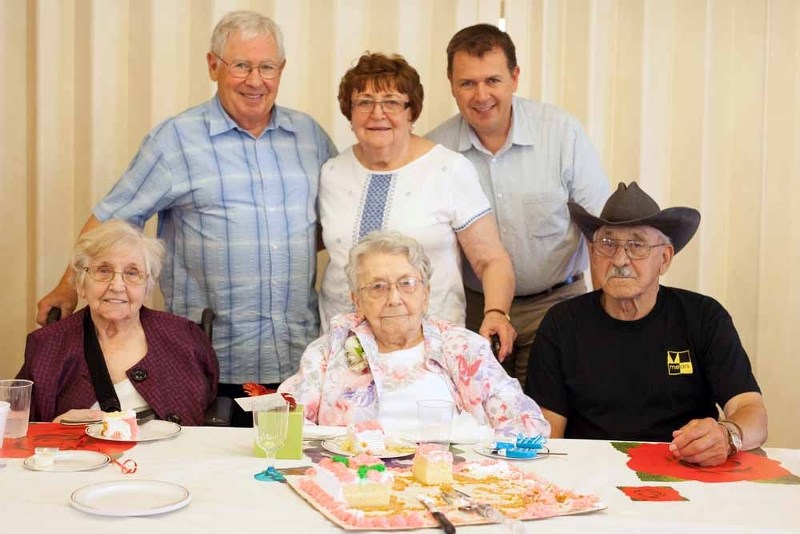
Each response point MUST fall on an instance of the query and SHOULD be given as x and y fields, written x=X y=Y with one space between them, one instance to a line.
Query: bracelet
x=497 y=310
x=734 y=423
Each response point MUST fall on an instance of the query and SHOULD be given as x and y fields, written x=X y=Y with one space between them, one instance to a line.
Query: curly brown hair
x=382 y=73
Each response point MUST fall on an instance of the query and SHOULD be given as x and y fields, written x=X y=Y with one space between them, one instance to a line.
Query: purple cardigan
x=177 y=377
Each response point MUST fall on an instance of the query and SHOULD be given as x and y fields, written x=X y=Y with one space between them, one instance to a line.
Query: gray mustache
x=620 y=272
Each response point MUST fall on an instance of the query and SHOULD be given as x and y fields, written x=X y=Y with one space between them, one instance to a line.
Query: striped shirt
x=238 y=218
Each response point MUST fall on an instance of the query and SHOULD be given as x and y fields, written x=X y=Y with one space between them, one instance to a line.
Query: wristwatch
x=734 y=436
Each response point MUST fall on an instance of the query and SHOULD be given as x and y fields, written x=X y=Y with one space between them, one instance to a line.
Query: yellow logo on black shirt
x=679 y=362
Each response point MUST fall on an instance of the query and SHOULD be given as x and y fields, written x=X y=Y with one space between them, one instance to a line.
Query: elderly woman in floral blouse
x=377 y=362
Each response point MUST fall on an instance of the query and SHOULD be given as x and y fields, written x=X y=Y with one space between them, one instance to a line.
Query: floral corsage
x=356 y=359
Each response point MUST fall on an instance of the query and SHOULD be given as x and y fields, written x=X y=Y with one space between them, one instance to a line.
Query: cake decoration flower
x=356 y=359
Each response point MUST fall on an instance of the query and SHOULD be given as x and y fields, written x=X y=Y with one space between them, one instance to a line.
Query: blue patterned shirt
x=238 y=217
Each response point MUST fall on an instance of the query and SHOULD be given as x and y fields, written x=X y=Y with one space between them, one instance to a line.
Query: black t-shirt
x=637 y=380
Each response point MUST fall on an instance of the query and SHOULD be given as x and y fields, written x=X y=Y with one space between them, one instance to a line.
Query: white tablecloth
x=216 y=465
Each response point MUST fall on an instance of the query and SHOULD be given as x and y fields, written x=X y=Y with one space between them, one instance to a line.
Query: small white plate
x=127 y=498
x=335 y=446
x=68 y=461
x=487 y=451
x=313 y=432
x=150 y=431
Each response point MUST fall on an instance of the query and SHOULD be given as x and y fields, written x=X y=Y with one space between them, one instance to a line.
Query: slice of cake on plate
x=120 y=425
x=433 y=464
x=367 y=437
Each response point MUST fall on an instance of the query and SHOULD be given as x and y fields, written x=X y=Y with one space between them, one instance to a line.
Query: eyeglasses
x=407 y=285
x=268 y=71
x=103 y=273
x=606 y=247
x=367 y=105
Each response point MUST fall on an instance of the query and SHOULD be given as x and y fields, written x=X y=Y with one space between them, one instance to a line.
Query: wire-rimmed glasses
x=271 y=424
x=267 y=70
x=131 y=276
x=407 y=285
x=606 y=247
x=390 y=106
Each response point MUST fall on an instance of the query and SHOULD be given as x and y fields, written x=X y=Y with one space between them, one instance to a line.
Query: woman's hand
x=80 y=416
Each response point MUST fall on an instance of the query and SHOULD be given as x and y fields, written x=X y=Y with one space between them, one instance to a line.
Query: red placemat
x=62 y=436
x=655 y=462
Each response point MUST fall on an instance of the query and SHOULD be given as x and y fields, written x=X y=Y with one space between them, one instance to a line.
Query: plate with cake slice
x=391 y=448
x=151 y=431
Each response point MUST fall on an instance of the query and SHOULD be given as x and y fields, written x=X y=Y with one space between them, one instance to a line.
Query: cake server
x=430 y=504
x=465 y=501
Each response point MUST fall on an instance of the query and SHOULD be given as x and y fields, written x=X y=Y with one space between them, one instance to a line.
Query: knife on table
x=430 y=504
x=143 y=415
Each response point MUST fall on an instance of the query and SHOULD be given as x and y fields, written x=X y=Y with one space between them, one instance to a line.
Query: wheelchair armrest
x=219 y=413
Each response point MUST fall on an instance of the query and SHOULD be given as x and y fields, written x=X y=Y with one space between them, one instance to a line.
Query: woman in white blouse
x=393 y=180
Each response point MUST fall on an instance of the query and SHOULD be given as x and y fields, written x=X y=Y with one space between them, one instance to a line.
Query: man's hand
x=63 y=297
x=495 y=323
x=700 y=441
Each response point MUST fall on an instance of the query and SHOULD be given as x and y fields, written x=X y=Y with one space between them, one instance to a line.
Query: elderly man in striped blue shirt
x=234 y=183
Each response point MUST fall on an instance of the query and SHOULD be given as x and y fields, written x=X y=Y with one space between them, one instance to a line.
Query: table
x=216 y=465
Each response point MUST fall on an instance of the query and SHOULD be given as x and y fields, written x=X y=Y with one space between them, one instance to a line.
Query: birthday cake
x=120 y=425
x=342 y=495
x=433 y=465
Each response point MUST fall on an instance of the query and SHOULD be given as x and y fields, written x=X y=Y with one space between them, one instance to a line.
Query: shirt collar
x=220 y=122
x=520 y=133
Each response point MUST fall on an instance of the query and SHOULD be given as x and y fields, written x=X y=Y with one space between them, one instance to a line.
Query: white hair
x=388 y=243
x=250 y=25
x=117 y=236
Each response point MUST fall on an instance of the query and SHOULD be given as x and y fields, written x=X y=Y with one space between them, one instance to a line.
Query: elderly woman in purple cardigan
x=115 y=353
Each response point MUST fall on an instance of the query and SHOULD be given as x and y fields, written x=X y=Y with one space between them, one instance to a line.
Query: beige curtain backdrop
x=697 y=100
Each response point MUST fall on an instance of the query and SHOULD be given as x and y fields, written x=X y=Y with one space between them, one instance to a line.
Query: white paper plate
x=126 y=498
x=487 y=451
x=150 y=431
x=335 y=446
x=68 y=461
x=313 y=432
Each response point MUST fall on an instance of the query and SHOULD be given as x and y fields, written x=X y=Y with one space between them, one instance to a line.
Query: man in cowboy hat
x=635 y=360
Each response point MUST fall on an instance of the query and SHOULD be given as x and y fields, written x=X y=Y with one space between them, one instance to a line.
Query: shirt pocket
x=547 y=214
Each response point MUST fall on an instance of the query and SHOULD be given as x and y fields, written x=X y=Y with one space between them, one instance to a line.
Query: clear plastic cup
x=5 y=407
x=435 y=421
x=18 y=394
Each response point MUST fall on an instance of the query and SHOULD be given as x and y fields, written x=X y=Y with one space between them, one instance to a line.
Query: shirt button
x=499 y=195
x=173 y=418
x=494 y=160
x=274 y=247
x=138 y=374
x=503 y=230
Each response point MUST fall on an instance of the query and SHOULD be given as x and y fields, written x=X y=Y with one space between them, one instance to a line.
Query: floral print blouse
x=334 y=394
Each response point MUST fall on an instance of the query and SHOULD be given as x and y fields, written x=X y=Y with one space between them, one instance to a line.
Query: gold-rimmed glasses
x=131 y=276
x=268 y=70
x=636 y=249
x=407 y=285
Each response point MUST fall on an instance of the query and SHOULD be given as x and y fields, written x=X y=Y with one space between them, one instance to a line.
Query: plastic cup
x=5 y=407
x=18 y=394
x=435 y=419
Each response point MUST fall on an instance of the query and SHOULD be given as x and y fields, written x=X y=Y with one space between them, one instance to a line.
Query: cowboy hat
x=630 y=206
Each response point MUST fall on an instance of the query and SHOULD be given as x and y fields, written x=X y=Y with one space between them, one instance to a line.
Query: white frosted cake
x=120 y=425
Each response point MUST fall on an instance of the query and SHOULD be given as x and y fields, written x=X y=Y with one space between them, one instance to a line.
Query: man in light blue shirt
x=234 y=183
x=532 y=159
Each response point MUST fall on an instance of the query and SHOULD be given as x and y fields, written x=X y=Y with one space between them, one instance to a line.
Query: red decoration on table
x=254 y=390
x=652 y=493
x=654 y=461
x=61 y=436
